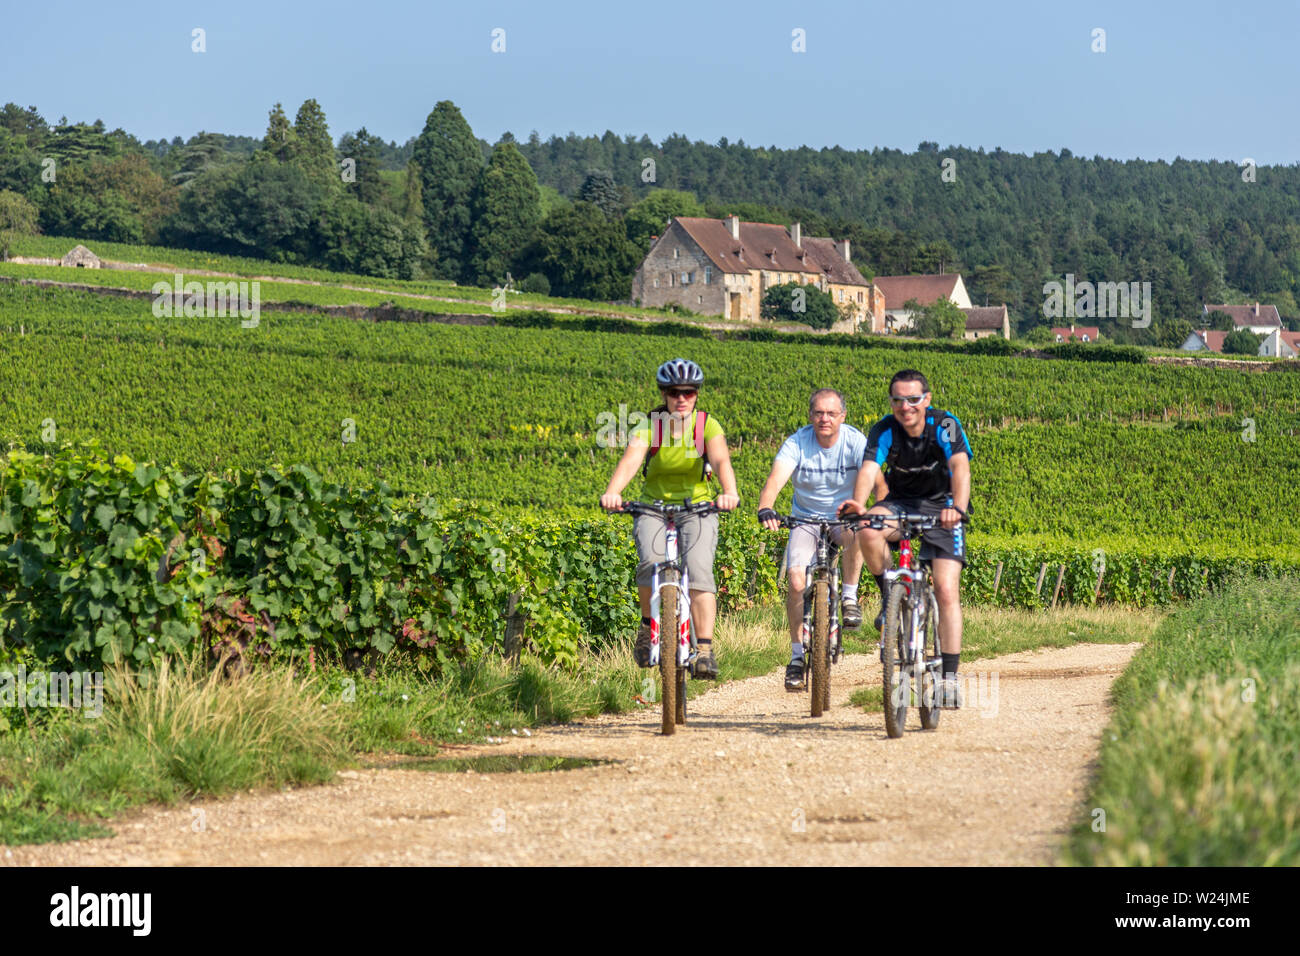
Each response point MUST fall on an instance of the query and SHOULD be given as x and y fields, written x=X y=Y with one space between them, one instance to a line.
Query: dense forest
x=574 y=215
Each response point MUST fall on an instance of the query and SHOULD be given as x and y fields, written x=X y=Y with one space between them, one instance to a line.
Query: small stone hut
x=81 y=258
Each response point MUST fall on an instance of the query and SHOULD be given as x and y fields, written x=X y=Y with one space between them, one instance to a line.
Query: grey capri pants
x=697 y=540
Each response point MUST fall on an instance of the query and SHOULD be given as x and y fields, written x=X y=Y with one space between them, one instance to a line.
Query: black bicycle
x=821 y=609
x=910 y=656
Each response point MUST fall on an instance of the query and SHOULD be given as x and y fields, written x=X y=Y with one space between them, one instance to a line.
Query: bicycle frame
x=912 y=575
x=686 y=648
x=826 y=562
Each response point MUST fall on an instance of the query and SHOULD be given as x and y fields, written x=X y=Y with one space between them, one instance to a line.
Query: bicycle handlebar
x=663 y=510
x=912 y=520
x=792 y=521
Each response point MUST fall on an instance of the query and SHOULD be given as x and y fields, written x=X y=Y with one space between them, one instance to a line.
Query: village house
x=985 y=321
x=1277 y=344
x=1076 y=333
x=724 y=266
x=1260 y=319
x=925 y=289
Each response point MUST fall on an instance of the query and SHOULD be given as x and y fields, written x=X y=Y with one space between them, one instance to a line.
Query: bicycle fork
x=684 y=635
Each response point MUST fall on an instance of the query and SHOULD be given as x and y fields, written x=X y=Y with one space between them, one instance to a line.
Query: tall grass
x=1198 y=766
x=186 y=733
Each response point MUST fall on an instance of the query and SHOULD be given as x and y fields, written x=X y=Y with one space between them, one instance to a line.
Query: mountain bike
x=821 y=610
x=670 y=609
x=909 y=641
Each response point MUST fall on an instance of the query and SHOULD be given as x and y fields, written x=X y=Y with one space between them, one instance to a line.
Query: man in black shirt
x=926 y=459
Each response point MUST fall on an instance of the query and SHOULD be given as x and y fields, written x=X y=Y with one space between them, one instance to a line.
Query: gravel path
x=751 y=780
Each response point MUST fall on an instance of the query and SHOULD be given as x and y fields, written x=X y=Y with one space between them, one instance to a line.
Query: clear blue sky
x=1193 y=79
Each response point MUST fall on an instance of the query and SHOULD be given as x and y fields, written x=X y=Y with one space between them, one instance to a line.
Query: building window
x=1058 y=336
x=859 y=298
x=687 y=277
x=700 y=298
x=841 y=295
x=708 y=274
x=656 y=282
x=1085 y=337
x=677 y=253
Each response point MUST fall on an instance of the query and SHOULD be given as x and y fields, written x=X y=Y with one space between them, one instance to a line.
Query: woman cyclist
x=676 y=472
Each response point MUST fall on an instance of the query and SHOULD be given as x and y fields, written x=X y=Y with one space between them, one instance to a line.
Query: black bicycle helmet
x=679 y=372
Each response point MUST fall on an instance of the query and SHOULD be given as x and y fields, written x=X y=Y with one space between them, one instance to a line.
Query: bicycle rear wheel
x=668 y=657
x=819 y=649
x=930 y=675
x=896 y=681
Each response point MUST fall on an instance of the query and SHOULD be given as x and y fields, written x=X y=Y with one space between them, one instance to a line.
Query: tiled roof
x=824 y=253
x=926 y=289
x=1244 y=315
x=762 y=245
x=984 y=317
x=1212 y=339
x=1079 y=332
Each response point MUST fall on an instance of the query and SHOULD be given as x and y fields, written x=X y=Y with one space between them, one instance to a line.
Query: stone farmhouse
x=985 y=321
x=724 y=266
x=925 y=289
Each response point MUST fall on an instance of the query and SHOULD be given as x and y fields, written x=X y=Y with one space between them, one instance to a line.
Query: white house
x=925 y=289
x=1260 y=319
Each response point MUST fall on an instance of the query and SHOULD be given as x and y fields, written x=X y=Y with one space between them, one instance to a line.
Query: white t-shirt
x=823 y=477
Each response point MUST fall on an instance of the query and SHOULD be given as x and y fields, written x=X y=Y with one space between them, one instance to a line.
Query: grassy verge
x=189 y=733
x=1198 y=765
x=994 y=631
x=185 y=734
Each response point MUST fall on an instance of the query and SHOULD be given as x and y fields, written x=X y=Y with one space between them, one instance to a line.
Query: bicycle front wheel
x=668 y=657
x=896 y=684
x=820 y=649
x=929 y=705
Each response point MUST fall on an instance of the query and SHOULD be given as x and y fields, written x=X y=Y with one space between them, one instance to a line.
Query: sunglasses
x=910 y=400
x=681 y=392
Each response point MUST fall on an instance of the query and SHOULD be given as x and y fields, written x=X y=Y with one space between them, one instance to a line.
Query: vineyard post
x=514 y=627
x=1171 y=582
x=1096 y=594
x=1042 y=573
x=997 y=581
x=1060 y=576
x=753 y=575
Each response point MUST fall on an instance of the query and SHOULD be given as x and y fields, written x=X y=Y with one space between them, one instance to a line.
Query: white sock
x=850 y=592
x=796 y=651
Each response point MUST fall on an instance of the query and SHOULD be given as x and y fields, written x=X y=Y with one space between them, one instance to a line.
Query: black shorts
x=937 y=542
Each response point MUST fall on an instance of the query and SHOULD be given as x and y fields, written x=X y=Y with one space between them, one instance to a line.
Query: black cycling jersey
x=918 y=467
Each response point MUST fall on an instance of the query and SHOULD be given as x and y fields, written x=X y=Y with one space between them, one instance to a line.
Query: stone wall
x=673 y=258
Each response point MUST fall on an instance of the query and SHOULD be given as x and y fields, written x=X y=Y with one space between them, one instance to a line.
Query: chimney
x=733 y=225
x=1257 y=310
x=796 y=233
x=844 y=249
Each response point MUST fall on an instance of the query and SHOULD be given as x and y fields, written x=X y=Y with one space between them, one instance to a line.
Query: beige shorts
x=697 y=540
x=801 y=549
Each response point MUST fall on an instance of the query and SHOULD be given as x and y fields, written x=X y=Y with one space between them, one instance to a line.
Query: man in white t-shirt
x=823 y=458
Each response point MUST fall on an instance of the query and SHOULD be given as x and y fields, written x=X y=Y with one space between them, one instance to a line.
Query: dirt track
x=751 y=780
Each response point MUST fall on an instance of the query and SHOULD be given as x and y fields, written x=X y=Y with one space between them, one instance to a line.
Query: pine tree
x=314 y=150
x=281 y=141
x=601 y=191
x=449 y=161
x=506 y=213
x=412 y=196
